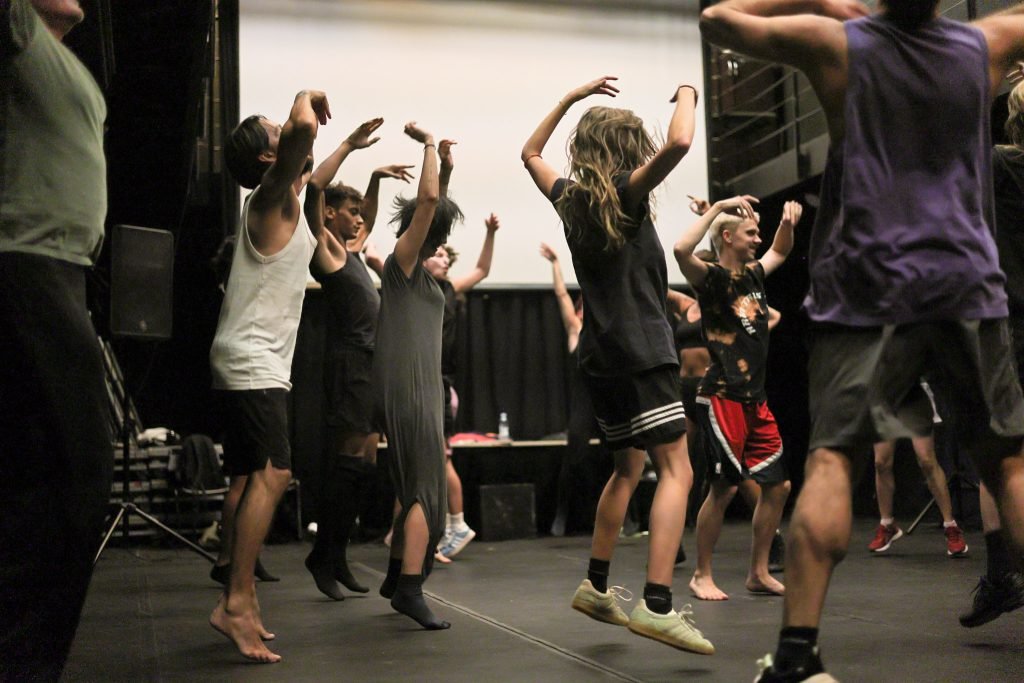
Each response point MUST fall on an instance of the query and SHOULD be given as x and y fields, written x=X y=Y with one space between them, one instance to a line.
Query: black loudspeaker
x=141 y=282
x=507 y=512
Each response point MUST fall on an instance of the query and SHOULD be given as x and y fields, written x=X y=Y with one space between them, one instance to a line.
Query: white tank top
x=259 y=318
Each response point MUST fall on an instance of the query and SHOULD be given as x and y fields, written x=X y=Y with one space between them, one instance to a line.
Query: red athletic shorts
x=743 y=440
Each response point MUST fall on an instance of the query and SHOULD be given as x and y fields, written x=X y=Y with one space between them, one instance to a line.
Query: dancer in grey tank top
x=407 y=375
x=903 y=265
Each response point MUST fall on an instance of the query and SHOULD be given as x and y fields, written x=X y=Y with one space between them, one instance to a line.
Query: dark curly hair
x=338 y=193
x=445 y=216
x=242 y=150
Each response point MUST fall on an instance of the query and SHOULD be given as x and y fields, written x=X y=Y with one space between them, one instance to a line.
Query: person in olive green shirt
x=56 y=458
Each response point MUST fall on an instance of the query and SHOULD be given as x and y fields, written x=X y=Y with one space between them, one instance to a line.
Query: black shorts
x=348 y=386
x=638 y=411
x=257 y=430
x=865 y=384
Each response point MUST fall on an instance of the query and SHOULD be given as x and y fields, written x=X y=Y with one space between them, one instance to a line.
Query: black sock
x=658 y=598
x=597 y=572
x=998 y=557
x=796 y=648
x=351 y=475
x=408 y=600
x=387 y=589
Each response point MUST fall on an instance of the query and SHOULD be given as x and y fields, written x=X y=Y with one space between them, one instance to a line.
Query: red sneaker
x=884 y=536
x=956 y=544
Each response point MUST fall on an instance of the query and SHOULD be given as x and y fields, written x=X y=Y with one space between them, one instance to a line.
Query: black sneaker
x=777 y=554
x=992 y=598
x=813 y=672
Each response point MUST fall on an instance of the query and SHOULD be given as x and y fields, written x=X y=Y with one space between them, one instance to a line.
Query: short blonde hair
x=722 y=222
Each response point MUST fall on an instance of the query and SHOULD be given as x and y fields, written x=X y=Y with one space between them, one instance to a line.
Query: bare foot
x=704 y=588
x=243 y=631
x=767 y=585
x=264 y=633
x=439 y=557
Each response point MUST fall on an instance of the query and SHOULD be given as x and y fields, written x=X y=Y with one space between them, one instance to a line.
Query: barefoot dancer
x=625 y=347
x=251 y=356
x=739 y=428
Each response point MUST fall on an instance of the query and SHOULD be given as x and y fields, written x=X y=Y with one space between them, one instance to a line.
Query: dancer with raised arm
x=407 y=377
x=904 y=273
x=626 y=351
x=742 y=436
x=353 y=303
x=252 y=351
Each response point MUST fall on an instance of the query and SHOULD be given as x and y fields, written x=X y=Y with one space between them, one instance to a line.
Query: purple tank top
x=903 y=232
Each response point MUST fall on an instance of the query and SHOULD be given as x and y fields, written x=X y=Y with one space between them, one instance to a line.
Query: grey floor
x=888 y=618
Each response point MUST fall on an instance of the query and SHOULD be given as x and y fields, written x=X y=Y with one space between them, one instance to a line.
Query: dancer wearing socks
x=407 y=377
x=251 y=355
x=741 y=434
x=1001 y=588
x=457 y=533
x=904 y=272
x=885 y=488
x=625 y=347
x=353 y=303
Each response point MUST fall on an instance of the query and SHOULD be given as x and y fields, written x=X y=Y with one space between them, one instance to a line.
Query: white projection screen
x=482 y=73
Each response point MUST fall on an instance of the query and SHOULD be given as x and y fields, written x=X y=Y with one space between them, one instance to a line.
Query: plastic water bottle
x=503 y=432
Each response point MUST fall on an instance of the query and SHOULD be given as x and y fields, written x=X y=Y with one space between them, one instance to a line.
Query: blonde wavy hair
x=605 y=142
x=1015 y=121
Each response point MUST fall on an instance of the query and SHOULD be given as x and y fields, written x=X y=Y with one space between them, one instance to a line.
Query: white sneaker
x=675 y=628
x=601 y=606
x=457 y=541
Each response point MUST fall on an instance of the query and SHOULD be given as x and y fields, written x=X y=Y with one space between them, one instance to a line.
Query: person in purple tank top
x=904 y=272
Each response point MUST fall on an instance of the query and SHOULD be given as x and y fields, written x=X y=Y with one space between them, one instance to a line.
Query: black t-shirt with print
x=734 y=315
x=625 y=325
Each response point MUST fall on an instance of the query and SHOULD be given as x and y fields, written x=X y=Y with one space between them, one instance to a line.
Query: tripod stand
x=126 y=507
x=142 y=268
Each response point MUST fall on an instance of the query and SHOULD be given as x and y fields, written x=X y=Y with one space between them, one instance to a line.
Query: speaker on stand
x=141 y=307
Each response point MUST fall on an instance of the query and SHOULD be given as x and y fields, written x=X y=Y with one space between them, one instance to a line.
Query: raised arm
x=570 y=321
x=544 y=174
x=297 y=135
x=677 y=143
x=444 y=151
x=806 y=34
x=774 y=318
x=692 y=267
x=274 y=207
x=783 y=242
x=1004 y=33
x=483 y=264
x=371 y=201
x=407 y=249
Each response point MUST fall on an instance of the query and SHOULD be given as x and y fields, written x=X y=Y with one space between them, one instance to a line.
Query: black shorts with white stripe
x=640 y=410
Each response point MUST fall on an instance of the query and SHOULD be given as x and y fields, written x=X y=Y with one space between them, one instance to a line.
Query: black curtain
x=512 y=358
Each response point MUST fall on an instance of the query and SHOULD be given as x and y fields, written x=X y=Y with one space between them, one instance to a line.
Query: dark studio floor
x=888 y=618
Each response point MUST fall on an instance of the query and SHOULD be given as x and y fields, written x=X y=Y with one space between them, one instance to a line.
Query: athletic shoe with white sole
x=675 y=628
x=601 y=606
x=457 y=541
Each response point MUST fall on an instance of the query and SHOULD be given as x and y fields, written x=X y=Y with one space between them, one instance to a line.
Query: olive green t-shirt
x=53 y=176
